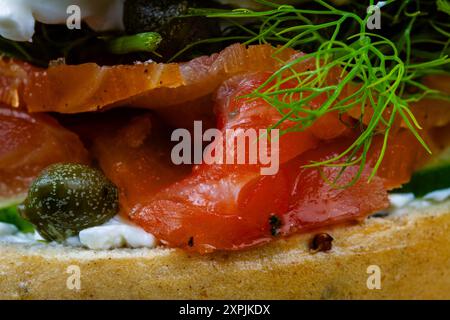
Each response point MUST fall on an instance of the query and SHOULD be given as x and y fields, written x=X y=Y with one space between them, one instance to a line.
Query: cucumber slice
x=434 y=176
x=11 y=216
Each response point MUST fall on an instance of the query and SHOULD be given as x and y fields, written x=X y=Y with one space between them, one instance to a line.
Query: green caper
x=67 y=198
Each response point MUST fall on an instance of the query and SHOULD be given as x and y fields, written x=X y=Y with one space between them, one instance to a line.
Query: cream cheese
x=18 y=17
x=117 y=233
x=9 y=233
x=401 y=203
x=7 y=229
x=399 y=200
x=439 y=195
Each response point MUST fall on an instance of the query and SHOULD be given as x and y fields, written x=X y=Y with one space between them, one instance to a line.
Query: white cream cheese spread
x=7 y=229
x=18 y=17
x=401 y=202
x=121 y=233
x=117 y=233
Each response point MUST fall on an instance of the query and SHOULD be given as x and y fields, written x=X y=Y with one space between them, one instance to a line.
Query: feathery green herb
x=386 y=64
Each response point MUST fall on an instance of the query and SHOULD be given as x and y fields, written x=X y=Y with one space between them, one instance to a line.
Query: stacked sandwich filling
x=343 y=143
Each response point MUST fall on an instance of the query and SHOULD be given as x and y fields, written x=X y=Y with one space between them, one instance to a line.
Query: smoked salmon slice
x=28 y=144
x=434 y=112
x=133 y=148
x=167 y=87
x=220 y=209
x=429 y=112
x=89 y=87
x=14 y=75
x=230 y=206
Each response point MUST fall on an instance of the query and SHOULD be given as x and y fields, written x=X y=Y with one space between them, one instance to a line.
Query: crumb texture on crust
x=412 y=251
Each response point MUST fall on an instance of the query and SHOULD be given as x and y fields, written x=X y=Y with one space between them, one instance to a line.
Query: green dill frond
x=444 y=6
x=381 y=64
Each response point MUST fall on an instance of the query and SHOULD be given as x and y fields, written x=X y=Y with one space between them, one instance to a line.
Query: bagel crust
x=411 y=253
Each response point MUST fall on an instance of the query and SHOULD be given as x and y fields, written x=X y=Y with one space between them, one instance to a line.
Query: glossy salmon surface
x=90 y=87
x=232 y=206
x=30 y=143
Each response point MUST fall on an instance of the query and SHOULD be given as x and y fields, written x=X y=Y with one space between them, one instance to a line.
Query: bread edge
x=412 y=253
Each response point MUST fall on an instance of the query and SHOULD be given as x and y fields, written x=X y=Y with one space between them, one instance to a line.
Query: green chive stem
x=141 y=42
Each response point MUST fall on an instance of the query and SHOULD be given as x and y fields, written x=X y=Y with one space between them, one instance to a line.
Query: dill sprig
x=381 y=67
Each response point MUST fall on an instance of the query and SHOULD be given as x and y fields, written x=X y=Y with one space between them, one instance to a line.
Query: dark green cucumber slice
x=428 y=180
x=11 y=216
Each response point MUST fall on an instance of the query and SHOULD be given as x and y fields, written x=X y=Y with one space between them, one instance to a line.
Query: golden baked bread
x=412 y=252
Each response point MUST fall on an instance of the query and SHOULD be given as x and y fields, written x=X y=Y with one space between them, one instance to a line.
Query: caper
x=67 y=198
x=166 y=18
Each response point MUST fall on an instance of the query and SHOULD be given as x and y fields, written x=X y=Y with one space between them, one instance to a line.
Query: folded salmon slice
x=167 y=87
x=229 y=206
x=429 y=112
x=28 y=144
x=14 y=76
x=89 y=87
x=220 y=209
x=134 y=152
